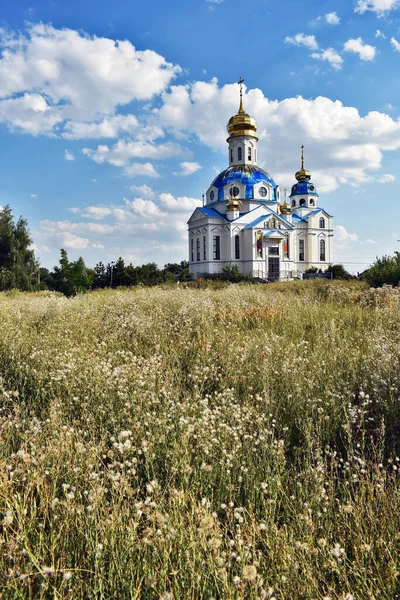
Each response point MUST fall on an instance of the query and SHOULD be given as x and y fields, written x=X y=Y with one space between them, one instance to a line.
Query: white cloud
x=107 y=128
x=141 y=169
x=123 y=151
x=330 y=55
x=379 y=34
x=68 y=155
x=182 y=204
x=93 y=212
x=386 y=178
x=343 y=236
x=378 y=6
x=343 y=147
x=144 y=208
x=29 y=113
x=395 y=44
x=144 y=190
x=50 y=75
x=302 y=40
x=34 y=195
x=368 y=241
x=365 y=51
x=188 y=168
x=332 y=18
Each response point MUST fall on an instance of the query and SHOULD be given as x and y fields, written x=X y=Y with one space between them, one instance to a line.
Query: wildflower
x=249 y=573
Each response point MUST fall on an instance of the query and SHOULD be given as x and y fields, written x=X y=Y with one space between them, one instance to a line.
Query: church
x=245 y=221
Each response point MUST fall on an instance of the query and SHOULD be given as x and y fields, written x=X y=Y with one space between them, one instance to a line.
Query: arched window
x=240 y=153
x=301 y=250
x=293 y=202
x=322 y=250
x=249 y=154
x=231 y=155
x=237 y=247
x=311 y=202
x=322 y=223
x=302 y=202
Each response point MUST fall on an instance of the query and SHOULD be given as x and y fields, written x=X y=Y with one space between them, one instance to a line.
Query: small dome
x=303 y=187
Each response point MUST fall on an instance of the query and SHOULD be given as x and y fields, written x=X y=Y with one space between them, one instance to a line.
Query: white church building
x=246 y=222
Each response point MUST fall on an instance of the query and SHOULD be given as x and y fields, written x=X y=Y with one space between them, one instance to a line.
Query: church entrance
x=273 y=268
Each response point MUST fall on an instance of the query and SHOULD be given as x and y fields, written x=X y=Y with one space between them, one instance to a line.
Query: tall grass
x=170 y=443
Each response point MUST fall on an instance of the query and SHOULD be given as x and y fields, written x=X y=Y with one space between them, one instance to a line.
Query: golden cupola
x=303 y=174
x=242 y=123
x=285 y=208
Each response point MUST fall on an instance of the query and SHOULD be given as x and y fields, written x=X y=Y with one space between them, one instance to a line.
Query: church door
x=273 y=268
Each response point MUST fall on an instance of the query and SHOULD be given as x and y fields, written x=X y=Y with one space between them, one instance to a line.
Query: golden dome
x=303 y=173
x=242 y=123
x=285 y=208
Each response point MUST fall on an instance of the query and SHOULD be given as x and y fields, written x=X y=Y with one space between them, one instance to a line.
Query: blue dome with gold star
x=245 y=174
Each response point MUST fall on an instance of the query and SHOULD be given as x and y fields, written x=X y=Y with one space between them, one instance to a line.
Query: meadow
x=220 y=442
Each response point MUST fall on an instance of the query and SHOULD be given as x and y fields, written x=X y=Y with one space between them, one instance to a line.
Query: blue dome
x=245 y=174
x=303 y=187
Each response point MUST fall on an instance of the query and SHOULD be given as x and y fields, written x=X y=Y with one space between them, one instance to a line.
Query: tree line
x=19 y=268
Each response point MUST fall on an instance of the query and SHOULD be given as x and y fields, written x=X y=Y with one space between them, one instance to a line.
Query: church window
x=302 y=202
x=231 y=155
x=216 y=247
x=212 y=195
x=263 y=192
x=192 y=249
x=237 y=247
x=249 y=154
x=322 y=223
x=286 y=248
x=301 y=250
x=198 y=248
x=293 y=202
x=234 y=191
x=204 y=248
x=322 y=250
x=239 y=153
x=311 y=202
x=274 y=250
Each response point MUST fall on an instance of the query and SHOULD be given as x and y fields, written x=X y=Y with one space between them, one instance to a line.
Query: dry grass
x=201 y=443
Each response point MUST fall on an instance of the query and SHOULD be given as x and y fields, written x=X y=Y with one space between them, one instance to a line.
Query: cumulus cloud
x=120 y=154
x=93 y=212
x=107 y=128
x=330 y=55
x=188 y=168
x=365 y=51
x=332 y=18
x=145 y=191
x=343 y=236
x=141 y=170
x=386 y=178
x=395 y=44
x=342 y=146
x=68 y=155
x=50 y=75
x=377 y=6
x=29 y=113
x=300 y=39
x=182 y=204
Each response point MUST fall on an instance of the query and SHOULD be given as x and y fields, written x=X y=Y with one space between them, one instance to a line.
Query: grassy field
x=181 y=443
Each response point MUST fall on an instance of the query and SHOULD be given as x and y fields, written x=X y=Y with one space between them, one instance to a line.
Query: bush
x=385 y=270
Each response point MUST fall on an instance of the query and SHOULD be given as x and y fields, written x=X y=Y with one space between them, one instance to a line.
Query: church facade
x=245 y=221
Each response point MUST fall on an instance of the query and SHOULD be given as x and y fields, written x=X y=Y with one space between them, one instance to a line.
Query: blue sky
x=113 y=116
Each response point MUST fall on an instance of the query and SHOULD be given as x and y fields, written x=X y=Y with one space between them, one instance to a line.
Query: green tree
x=385 y=270
x=70 y=278
x=18 y=266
